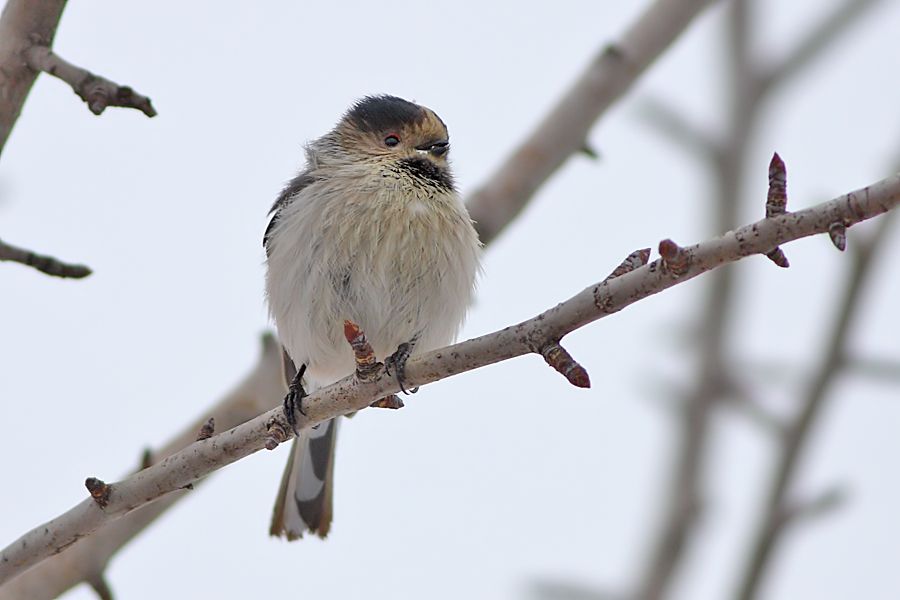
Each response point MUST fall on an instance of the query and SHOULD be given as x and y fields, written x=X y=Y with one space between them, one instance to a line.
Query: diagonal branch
x=98 y=92
x=562 y=132
x=22 y=22
x=816 y=41
x=350 y=394
x=678 y=128
x=45 y=264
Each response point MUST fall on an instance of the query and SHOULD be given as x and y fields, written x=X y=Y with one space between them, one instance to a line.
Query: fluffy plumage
x=372 y=231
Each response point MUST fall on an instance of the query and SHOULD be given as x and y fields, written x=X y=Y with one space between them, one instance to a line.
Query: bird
x=373 y=231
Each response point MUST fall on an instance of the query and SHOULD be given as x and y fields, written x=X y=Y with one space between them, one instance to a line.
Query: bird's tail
x=304 y=498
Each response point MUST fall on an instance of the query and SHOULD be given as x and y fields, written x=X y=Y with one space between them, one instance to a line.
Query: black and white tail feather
x=304 y=501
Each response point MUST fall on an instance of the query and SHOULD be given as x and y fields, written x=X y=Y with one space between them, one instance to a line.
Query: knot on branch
x=393 y=402
x=99 y=490
x=559 y=358
x=837 y=232
x=278 y=433
x=675 y=259
x=207 y=430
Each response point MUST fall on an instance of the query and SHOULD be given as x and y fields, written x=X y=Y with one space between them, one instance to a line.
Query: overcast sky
x=493 y=479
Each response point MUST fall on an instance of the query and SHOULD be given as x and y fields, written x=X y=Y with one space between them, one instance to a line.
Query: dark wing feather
x=294 y=187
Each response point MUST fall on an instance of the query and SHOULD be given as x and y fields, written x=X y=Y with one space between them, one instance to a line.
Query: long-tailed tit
x=372 y=231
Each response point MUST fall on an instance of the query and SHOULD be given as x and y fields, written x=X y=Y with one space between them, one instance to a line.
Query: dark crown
x=384 y=113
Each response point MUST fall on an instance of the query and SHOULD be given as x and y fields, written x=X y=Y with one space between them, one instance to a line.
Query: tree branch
x=874 y=369
x=87 y=560
x=201 y=458
x=678 y=128
x=41 y=262
x=27 y=29
x=22 y=22
x=563 y=130
x=98 y=92
x=816 y=41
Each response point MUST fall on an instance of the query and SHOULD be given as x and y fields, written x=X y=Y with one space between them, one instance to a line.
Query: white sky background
x=490 y=480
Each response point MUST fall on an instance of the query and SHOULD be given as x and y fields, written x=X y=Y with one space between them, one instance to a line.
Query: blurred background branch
x=563 y=131
x=748 y=85
x=773 y=523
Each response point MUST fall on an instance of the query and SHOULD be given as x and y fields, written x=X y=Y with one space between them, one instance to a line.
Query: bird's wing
x=290 y=191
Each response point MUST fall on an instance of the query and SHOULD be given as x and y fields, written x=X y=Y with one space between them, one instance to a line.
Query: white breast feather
x=396 y=259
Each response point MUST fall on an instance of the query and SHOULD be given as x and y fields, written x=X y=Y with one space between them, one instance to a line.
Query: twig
x=742 y=399
x=98 y=92
x=552 y=589
x=771 y=528
x=350 y=394
x=813 y=508
x=101 y=587
x=45 y=264
x=811 y=46
x=675 y=126
x=563 y=130
x=874 y=369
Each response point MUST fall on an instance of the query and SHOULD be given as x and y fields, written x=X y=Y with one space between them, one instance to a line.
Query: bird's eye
x=391 y=140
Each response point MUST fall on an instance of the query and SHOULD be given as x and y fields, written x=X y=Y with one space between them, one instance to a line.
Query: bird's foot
x=396 y=362
x=293 y=400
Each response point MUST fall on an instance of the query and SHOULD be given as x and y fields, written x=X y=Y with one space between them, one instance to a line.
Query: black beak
x=438 y=148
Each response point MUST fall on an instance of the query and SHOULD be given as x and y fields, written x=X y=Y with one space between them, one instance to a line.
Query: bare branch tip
x=633 y=261
x=207 y=430
x=146 y=459
x=98 y=583
x=825 y=503
x=559 y=358
x=777 y=163
x=43 y=263
x=99 y=490
x=589 y=151
x=776 y=201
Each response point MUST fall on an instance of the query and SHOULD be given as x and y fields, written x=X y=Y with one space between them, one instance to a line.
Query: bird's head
x=391 y=131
